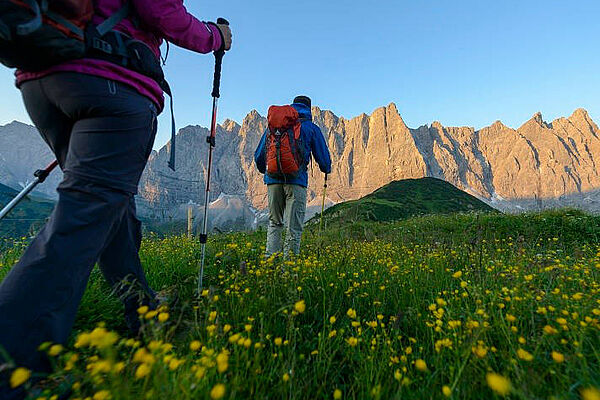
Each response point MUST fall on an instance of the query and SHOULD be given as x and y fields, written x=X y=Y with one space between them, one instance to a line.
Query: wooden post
x=190 y=219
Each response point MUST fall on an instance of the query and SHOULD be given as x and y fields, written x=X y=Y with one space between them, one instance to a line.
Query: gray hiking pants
x=287 y=206
x=101 y=133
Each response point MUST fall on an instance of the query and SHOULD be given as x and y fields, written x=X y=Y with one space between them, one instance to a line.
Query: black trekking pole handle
x=216 y=93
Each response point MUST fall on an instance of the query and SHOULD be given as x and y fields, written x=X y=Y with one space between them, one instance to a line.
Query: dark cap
x=302 y=100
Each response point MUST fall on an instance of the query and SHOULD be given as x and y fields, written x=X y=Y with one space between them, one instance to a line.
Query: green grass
x=25 y=219
x=404 y=199
x=513 y=289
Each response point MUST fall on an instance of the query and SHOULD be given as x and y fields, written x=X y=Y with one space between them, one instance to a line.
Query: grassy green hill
x=27 y=217
x=406 y=198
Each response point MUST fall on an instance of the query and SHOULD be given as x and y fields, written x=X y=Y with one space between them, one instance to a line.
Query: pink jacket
x=159 y=19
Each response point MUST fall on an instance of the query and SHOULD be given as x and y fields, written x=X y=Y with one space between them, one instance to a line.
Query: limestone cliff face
x=537 y=165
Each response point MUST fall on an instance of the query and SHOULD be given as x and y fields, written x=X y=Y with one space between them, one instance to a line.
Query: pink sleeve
x=171 y=20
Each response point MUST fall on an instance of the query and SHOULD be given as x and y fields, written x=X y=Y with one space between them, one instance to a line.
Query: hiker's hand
x=226 y=35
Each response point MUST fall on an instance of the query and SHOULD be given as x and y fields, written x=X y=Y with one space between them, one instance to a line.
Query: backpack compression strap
x=114 y=19
x=35 y=24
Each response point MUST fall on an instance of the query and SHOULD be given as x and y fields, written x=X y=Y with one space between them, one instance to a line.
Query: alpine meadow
x=283 y=200
x=460 y=306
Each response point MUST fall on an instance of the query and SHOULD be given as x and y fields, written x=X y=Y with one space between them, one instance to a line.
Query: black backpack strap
x=114 y=19
x=98 y=40
x=34 y=24
x=64 y=22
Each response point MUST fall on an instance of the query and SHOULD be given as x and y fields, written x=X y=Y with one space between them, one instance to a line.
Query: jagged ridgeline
x=27 y=218
x=538 y=165
x=404 y=199
x=535 y=166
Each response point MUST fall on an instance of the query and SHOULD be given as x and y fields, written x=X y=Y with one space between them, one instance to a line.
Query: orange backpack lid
x=282 y=117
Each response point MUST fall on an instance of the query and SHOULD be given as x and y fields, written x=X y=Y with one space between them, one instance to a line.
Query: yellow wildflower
x=175 y=363
x=195 y=345
x=143 y=310
x=300 y=306
x=558 y=357
x=590 y=394
x=19 y=377
x=217 y=392
x=101 y=338
x=446 y=391
x=55 y=350
x=200 y=373
x=102 y=395
x=498 y=383
x=397 y=375
x=222 y=362
x=151 y=314
x=549 y=330
x=83 y=340
x=143 y=356
x=480 y=351
x=524 y=355
x=163 y=316
x=142 y=371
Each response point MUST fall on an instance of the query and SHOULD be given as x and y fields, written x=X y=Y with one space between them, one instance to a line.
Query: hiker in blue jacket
x=287 y=196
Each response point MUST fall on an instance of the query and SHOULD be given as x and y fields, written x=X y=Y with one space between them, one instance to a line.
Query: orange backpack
x=284 y=147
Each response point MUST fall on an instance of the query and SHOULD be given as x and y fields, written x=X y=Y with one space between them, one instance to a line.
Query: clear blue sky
x=462 y=62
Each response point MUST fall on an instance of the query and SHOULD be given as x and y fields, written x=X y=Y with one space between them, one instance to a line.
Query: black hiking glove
x=226 y=36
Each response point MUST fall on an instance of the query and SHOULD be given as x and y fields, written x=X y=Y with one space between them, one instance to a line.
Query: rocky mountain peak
x=537 y=117
x=231 y=126
x=16 y=124
x=252 y=122
x=580 y=115
x=252 y=116
x=391 y=108
x=498 y=125
x=535 y=166
x=437 y=125
x=535 y=122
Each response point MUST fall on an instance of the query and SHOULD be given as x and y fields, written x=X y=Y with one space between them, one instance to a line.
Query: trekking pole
x=40 y=177
x=323 y=205
x=211 y=141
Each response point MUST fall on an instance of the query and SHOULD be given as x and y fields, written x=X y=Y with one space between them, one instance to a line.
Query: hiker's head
x=302 y=100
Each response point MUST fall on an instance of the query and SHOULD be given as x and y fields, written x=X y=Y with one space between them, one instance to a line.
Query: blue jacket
x=314 y=143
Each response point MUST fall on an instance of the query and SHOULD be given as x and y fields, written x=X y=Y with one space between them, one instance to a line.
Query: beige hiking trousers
x=287 y=206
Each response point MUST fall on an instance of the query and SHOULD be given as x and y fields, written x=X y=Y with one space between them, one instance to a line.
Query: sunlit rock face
x=539 y=165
